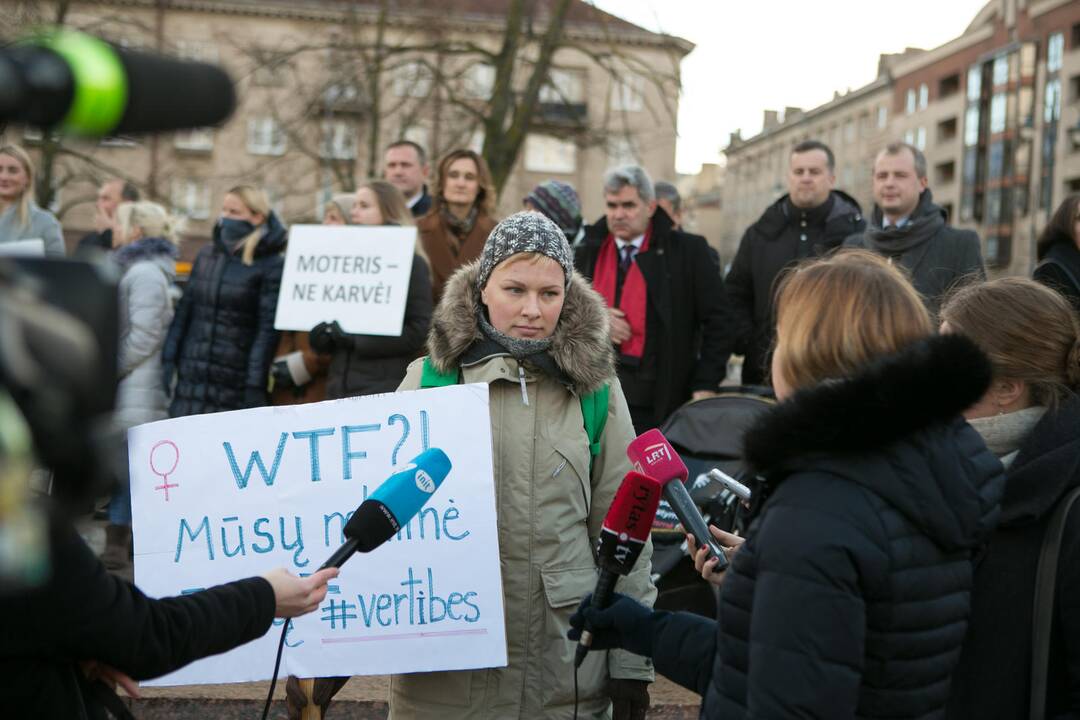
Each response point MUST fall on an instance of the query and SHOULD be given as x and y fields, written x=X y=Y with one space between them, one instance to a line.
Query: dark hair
x=129 y=192
x=808 y=145
x=1060 y=227
x=895 y=148
x=666 y=191
x=421 y=155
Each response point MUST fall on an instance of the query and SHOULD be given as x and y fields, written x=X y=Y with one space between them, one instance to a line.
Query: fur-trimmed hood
x=581 y=346
x=895 y=429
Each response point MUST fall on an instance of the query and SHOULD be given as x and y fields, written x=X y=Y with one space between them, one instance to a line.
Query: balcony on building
x=562 y=114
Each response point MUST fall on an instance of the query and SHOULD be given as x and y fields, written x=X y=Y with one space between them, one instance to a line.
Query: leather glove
x=324 y=691
x=629 y=698
x=280 y=377
x=624 y=624
x=324 y=337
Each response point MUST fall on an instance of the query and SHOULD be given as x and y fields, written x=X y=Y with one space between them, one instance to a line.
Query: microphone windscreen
x=371 y=525
x=628 y=522
x=169 y=94
x=652 y=454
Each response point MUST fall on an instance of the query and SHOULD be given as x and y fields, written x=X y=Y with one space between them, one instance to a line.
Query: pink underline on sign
x=404 y=636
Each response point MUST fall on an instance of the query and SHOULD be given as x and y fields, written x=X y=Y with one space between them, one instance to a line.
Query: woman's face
x=365 y=210
x=13 y=178
x=524 y=296
x=234 y=208
x=332 y=216
x=462 y=184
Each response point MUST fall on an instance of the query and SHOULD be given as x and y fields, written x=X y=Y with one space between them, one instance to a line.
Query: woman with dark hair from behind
x=1030 y=418
x=1059 y=251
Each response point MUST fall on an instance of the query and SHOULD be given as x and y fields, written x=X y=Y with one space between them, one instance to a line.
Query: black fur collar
x=933 y=380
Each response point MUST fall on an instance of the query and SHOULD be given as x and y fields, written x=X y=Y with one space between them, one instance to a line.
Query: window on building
x=849 y=131
x=190 y=197
x=974 y=83
x=417 y=134
x=413 y=79
x=1075 y=44
x=882 y=117
x=949 y=85
x=946 y=130
x=338 y=140
x=196 y=140
x=479 y=81
x=909 y=137
x=971 y=126
x=547 y=154
x=1052 y=101
x=621 y=151
x=998 y=106
x=1001 y=70
x=910 y=101
x=32 y=134
x=265 y=136
x=563 y=86
x=270 y=69
x=1055 y=50
x=920 y=138
x=628 y=93
x=924 y=96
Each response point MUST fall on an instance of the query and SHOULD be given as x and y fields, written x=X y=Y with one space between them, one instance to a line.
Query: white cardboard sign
x=230 y=495
x=357 y=275
x=23 y=248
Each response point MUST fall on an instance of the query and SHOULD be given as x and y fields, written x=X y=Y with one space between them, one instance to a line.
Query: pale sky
x=754 y=55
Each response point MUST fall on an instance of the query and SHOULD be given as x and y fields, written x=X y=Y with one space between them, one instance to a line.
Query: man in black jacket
x=665 y=297
x=910 y=228
x=405 y=166
x=809 y=221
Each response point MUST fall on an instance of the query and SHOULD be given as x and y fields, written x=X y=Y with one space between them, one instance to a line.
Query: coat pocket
x=563 y=589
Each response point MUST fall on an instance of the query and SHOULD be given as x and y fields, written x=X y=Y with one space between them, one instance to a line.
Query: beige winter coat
x=550 y=511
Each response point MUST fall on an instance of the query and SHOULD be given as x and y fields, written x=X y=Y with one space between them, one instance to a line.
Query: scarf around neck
x=519 y=348
x=924 y=223
x=634 y=298
x=1004 y=434
x=459 y=227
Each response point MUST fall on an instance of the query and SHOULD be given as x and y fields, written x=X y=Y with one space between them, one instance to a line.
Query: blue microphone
x=392 y=505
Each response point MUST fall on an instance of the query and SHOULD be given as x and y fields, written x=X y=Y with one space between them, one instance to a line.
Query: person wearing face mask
x=1030 y=418
x=20 y=217
x=521 y=320
x=369 y=364
x=461 y=217
x=222 y=337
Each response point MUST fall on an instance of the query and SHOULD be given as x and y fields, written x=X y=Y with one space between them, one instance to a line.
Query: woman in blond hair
x=222 y=338
x=20 y=217
x=851 y=594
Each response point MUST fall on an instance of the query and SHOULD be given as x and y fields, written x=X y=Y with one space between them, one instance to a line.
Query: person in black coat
x=850 y=596
x=668 y=308
x=811 y=220
x=60 y=639
x=1058 y=251
x=1030 y=418
x=222 y=338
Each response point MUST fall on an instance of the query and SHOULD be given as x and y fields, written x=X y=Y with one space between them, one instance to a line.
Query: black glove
x=254 y=397
x=625 y=624
x=280 y=375
x=324 y=337
x=324 y=691
x=629 y=698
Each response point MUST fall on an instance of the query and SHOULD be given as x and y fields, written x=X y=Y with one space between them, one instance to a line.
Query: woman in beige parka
x=521 y=320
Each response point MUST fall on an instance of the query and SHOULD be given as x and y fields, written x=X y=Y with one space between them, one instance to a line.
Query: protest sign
x=229 y=495
x=357 y=275
x=23 y=248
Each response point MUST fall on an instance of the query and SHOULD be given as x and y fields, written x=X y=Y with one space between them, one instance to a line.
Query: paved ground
x=362 y=698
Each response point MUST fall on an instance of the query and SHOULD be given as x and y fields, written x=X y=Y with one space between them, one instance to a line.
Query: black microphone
x=89 y=87
x=392 y=505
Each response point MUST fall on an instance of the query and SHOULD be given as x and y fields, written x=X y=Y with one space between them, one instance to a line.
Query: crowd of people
x=921 y=458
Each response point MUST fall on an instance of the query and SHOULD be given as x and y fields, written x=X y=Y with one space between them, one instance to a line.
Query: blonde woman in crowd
x=20 y=217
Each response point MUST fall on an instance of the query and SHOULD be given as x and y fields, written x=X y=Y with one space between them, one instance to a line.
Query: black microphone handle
x=342 y=554
x=605 y=588
x=683 y=505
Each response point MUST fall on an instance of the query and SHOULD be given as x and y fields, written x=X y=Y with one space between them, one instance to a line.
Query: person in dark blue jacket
x=851 y=594
x=222 y=338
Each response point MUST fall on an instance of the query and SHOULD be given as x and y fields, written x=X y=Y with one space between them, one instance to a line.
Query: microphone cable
x=575 y=693
x=277 y=666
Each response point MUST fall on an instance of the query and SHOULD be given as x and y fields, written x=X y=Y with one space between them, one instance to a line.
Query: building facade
x=324 y=85
x=997 y=113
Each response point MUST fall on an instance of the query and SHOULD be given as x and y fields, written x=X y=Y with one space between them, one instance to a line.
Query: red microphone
x=622 y=538
x=652 y=453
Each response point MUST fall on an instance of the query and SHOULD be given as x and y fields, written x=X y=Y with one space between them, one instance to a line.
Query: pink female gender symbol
x=164 y=474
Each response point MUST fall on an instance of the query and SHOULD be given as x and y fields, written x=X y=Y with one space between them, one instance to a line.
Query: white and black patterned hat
x=525 y=232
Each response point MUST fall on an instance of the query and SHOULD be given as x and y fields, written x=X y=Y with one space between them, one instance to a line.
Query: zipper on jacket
x=524 y=391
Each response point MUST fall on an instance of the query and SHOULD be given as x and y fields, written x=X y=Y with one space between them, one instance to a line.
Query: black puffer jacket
x=782 y=236
x=222 y=338
x=851 y=595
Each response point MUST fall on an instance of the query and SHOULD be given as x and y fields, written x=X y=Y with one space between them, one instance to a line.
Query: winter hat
x=344 y=203
x=525 y=232
x=560 y=203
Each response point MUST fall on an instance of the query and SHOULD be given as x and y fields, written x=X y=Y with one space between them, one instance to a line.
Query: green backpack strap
x=432 y=378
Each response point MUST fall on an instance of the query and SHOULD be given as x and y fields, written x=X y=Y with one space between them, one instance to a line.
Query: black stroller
x=707 y=434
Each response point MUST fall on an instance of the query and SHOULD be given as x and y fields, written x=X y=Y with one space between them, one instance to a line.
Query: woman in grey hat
x=520 y=319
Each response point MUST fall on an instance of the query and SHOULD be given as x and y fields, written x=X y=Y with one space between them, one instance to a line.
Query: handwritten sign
x=230 y=495
x=356 y=275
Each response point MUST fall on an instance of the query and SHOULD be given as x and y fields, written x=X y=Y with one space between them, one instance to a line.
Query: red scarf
x=635 y=293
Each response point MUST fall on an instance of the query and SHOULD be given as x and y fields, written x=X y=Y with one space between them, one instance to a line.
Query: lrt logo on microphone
x=656 y=453
x=424 y=482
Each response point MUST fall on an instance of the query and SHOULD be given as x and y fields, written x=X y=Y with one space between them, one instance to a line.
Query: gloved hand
x=324 y=691
x=625 y=624
x=629 y=698
x=280 y=377
x=324 y=337
x=254 y=397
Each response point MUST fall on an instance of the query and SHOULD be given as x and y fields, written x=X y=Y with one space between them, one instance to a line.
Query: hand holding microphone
x=705 y=562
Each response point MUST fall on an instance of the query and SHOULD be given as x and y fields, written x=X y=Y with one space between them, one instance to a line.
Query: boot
x=117 y=542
